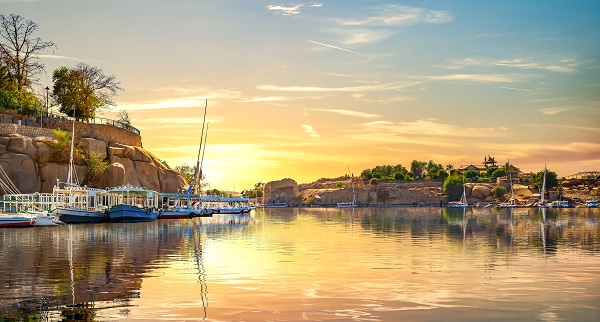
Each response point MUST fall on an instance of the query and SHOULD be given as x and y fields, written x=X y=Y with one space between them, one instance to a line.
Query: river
x=295 y=264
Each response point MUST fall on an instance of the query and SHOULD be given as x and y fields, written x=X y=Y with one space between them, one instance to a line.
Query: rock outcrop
x=285 y=190
x=31 y=166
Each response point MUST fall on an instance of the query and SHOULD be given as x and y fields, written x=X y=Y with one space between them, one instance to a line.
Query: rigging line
x=10 y=186
x=204 y=149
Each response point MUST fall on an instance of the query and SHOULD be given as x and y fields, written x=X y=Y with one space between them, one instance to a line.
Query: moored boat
x=462 y=203
x=592 y=203
x=16 y=220
x=131 y=213
x=132 y=204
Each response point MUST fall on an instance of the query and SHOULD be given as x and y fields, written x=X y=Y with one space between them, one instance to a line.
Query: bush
x=498 y=191
x=95 y=166
x=471 y=174
x=453 y=187
x=373 y=181
x=339 y=185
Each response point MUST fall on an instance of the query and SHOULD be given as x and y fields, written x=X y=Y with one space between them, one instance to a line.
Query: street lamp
x=47 y=89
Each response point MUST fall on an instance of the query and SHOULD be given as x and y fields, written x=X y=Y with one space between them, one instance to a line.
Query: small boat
x=510 y=203
x=183 y=212
x=349 y=204
x=17 y=220
x=74 y=215
x=560 y=204
x=593 y=203
x=542 y=203
x=42 y=218
x=462 y=203
x=276 y=205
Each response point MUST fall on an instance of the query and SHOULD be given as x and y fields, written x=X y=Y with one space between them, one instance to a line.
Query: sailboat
x=542 y=203
x=77 y=204
x=462 y=203
x=510 y=203
x=352 y=203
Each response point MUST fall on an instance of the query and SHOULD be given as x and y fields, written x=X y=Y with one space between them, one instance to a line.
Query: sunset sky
x=311 y=89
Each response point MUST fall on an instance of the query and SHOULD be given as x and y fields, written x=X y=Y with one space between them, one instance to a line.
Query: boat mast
x=197 y=174
x=70 y=174
x=543 y=187
x=202 y=159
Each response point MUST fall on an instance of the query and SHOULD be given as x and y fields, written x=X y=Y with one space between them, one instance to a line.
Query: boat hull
x=71 y=215
x=128 y=213
x=16 y=221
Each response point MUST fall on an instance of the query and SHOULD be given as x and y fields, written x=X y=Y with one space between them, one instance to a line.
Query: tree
x=453 y=187
x=84 y=89
x=490 y=171
x=124 y=118
x=499 y=173
x=20 y=49
x=187 y=172
x=417 y=168
x=470 y=174
x=551 y=179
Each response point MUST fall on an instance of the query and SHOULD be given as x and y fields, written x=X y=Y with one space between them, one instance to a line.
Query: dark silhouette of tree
x=20 y=49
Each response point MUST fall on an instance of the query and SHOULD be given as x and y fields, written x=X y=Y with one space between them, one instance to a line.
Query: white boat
x=462 y=203
x=542 y=203
x=42 y=218
x=352 y=203
x=276 y=205
x=510 y=203
x=16 y=220
x=593 y=203
x=560 y=204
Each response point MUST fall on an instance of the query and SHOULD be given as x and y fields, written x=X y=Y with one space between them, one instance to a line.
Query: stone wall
x=107 y=133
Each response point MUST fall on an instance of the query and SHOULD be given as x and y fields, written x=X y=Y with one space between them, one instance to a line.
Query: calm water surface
x=364 y=264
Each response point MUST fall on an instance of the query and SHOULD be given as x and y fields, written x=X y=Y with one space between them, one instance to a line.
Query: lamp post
x=47 y=89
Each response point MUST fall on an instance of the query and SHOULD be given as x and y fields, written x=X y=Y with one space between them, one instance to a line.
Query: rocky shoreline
x=327 y=193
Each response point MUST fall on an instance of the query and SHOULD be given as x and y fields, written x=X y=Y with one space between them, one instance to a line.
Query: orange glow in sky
x=309 y=89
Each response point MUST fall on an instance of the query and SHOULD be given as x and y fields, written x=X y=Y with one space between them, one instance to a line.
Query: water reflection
x=75 y=270
x=355 y=263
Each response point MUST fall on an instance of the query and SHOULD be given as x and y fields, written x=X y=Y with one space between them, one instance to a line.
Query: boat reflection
x=75 y=270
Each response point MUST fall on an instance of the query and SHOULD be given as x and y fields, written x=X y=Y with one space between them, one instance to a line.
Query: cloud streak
x=349 y=113
x=334 y=47
x=393 y=15
x=481 y=78
x=365 y=88
x=309 y=130
x=292 y=8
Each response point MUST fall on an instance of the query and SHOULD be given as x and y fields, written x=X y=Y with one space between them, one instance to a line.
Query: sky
x=306 y=90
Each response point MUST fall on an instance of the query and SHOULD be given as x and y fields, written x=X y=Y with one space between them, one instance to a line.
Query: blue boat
x=129 y=213
x=132 y=204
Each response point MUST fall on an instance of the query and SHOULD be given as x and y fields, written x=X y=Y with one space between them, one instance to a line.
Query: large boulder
x=171 y=180
x=96 y=146
x=285 y=190
x=480 y=192
x=147 y=175
x=113 y=176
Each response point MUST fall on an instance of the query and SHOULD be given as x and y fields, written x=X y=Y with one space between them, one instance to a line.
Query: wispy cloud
x=309 y=130
x=482 y=78
x=364 y=88
x=566 y=65
x=334 y=47
x=555 y=110
x=59 y=57
x=393 y=15
x=563 y=66
x=292 y=8
x=349 y=113
x=431 y=127
x=516 y=89
x=266 y=99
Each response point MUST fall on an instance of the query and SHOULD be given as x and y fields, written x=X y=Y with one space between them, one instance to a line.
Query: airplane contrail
x=334 y=47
